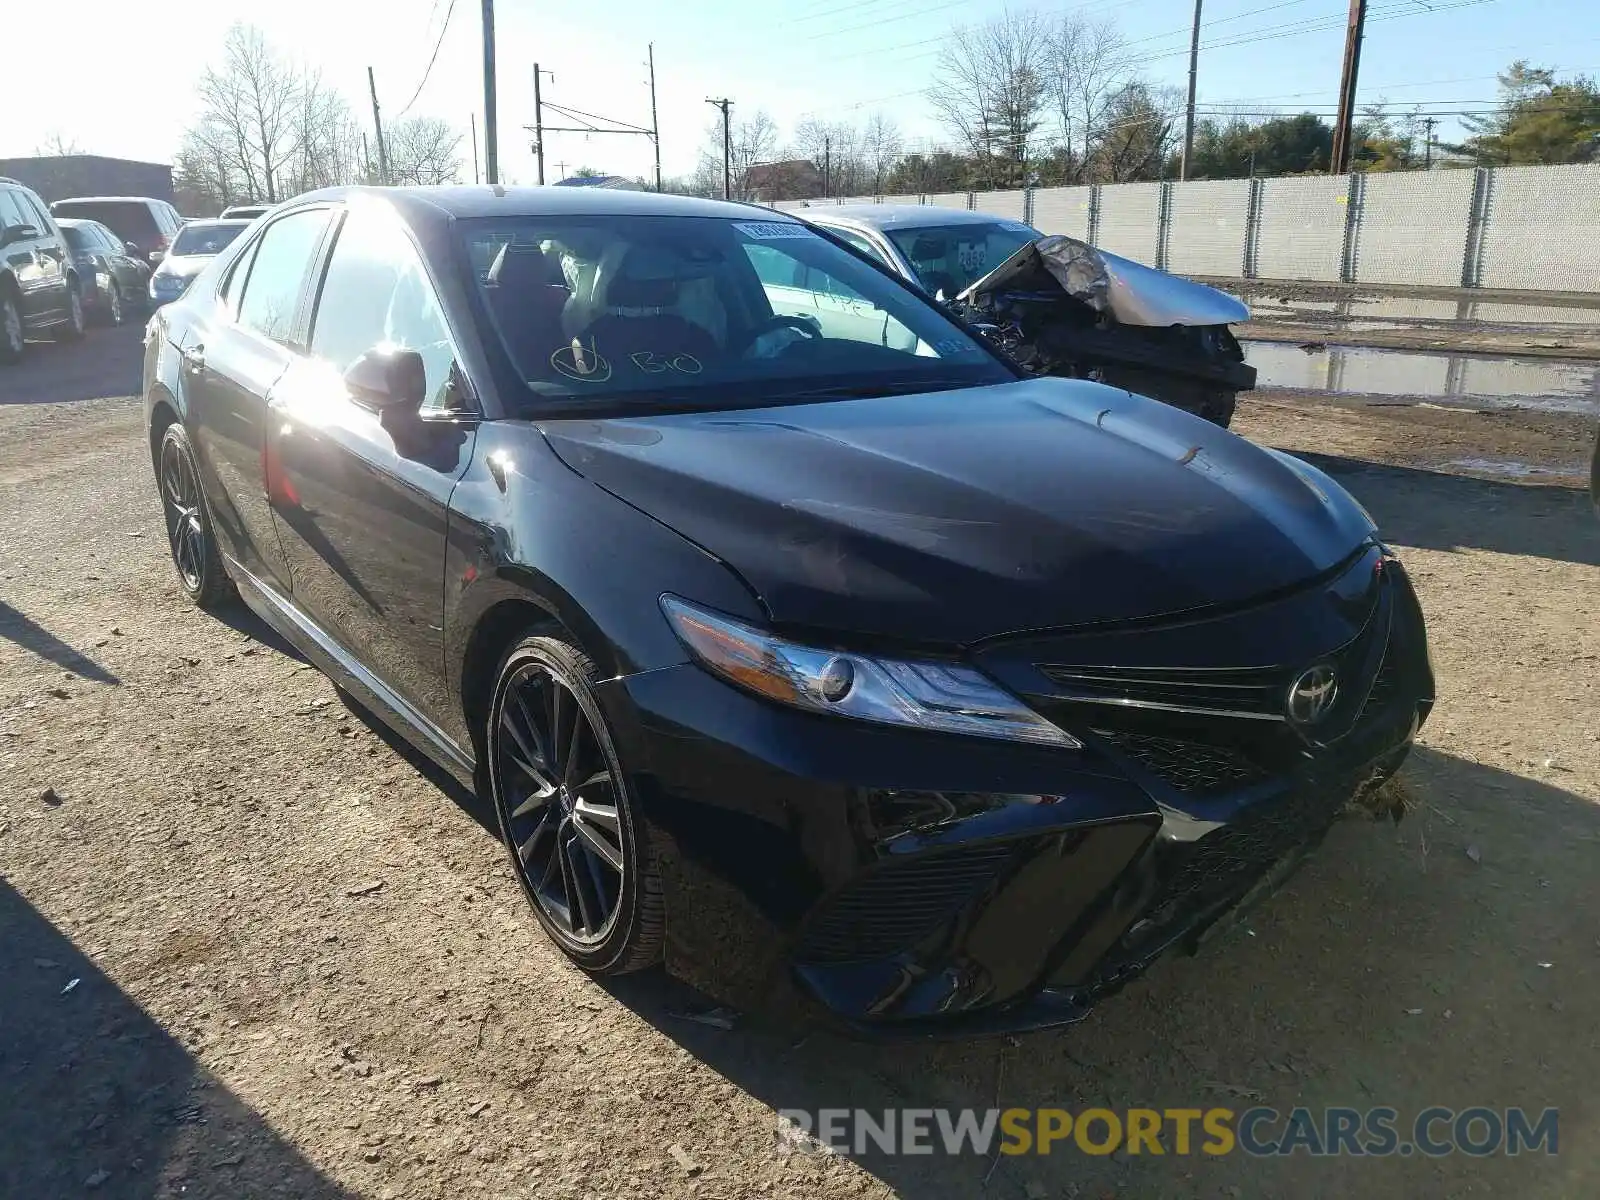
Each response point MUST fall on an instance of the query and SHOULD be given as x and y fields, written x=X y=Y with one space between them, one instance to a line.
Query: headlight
x=938 y=696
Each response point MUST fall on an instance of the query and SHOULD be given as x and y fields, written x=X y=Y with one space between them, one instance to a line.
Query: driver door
x=360 y=499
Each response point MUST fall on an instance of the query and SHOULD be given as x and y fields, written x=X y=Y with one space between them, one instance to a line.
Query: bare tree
x=754 y=139
x=58 y=146
x=1089 y=67
x=881 y=146
x=425 y=150
x=837 y=149
x=992 y=89
x=251 y=104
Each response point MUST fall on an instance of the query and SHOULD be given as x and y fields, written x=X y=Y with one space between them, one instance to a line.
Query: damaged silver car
x=1059 y=306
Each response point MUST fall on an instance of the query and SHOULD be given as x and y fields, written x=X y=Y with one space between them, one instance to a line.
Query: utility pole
x=473 y=117
x=655 y=125
x=1428 y=124
x=827 y=166
x=491 y=124
x=1344 y=128
x=727 y=146
x=538 y=120
x=1188 y=112
x=377 y=121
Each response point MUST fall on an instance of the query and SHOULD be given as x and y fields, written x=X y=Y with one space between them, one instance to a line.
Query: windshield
x=951 y=258
x=205 y=239
x=707 y=311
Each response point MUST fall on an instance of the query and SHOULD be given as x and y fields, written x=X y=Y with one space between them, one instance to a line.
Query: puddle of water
x=1268 y=305
x=1510 y=468
x=1464 y=380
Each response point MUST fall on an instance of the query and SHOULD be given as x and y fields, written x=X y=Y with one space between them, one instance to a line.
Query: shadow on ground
x=1436 y=511
x=98 y=1098
x=23 y=631
x=107 y=362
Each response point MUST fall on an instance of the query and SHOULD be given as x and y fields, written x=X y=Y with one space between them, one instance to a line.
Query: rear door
x=360 y=498
x=231 y=361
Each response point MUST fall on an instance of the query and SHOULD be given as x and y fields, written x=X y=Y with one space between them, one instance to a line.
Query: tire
x=190 y=538
x=72 y=329
x=115 y=312
x=1220 y=408
x=12 y=335
x=577 y=843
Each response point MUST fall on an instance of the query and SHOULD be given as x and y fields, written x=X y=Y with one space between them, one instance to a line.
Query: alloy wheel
x=116 y=303
x=560 y=806
x=180 y=496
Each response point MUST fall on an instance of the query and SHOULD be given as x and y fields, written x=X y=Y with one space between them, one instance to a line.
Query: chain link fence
x=1513 y=228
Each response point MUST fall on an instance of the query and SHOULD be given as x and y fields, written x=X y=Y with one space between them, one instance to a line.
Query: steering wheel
x=781 y=321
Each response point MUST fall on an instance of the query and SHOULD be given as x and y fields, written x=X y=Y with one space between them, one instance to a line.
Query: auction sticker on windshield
x=772 y=231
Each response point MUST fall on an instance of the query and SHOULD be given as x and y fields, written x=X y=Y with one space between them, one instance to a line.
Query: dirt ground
x=250 y=948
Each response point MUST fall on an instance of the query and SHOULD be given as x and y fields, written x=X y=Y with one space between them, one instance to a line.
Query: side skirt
x=334 y=661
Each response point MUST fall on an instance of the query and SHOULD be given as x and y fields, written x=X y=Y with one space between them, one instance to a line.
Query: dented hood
x=954 y=516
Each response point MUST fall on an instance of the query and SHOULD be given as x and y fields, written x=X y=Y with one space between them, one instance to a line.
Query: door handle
x=194 y=357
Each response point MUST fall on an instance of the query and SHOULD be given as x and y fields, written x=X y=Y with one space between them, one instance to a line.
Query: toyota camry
x=797 y=639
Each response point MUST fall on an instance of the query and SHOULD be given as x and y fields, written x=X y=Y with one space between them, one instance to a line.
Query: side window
x=10 y=210
x=40 y=215
x=283 y=255
x=860 y=243
x=833 y=307
x=377 y=292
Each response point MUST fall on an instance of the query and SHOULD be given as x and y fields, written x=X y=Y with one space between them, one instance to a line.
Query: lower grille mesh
x=894 y=906
x=1192 y=767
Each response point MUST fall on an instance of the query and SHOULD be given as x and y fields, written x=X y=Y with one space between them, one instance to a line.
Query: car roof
x=206 y=222
x=899 y=216
x=107 y=200
x=425 y=204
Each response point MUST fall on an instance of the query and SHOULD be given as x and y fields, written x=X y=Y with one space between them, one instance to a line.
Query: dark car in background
x=146 y=224
x=111 y=278
x=825 y=657
x=197 y=242
x=40 y=289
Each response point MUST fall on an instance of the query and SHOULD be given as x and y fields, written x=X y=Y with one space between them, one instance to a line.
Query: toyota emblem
x=1312 y=695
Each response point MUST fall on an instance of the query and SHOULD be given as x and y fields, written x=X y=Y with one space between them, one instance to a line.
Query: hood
x=1141 y=295
x=950 y=517
x=184 y=267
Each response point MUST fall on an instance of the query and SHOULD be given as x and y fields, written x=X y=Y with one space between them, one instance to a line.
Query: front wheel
x=114 y=310
x=567 y=814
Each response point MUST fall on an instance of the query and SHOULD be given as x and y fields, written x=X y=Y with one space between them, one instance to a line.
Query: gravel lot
x=249 y=947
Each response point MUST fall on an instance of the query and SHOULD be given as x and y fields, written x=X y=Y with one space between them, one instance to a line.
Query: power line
x=432 y=58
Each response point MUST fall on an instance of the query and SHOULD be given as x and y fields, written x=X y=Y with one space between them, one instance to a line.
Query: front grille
x=1243 y=691
x=1194 y=768
x=895 y=906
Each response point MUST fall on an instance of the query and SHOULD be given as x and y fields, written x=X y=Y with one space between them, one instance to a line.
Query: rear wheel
x=567 y=814
x=189 y=535
x=11 y=336
x=114 y=310
x=72 y=329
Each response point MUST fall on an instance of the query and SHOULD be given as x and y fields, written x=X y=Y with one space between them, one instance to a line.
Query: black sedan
x=795 y=639
x=111 y=275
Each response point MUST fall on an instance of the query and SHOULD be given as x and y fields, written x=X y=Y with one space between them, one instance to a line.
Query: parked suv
x=39 y=288
x=148 y=225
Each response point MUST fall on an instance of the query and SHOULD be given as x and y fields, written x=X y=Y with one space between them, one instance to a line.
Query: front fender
x=524 y=527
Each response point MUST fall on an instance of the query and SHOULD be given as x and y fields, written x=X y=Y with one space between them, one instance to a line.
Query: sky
x=832 y=59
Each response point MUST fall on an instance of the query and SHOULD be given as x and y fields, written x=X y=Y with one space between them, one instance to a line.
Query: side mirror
x=16 y=233
x=131 y=249
x=388 y=379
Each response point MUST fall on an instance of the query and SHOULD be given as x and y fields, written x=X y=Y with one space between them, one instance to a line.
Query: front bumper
x=913 y=884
